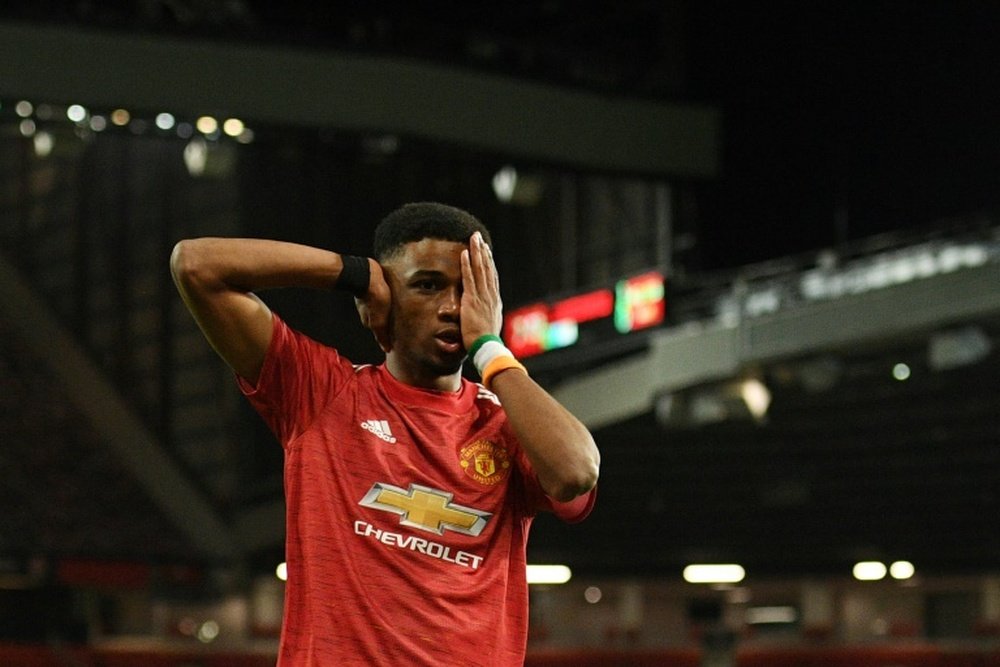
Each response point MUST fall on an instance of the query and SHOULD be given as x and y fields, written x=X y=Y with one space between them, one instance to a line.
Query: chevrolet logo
x=426 y=508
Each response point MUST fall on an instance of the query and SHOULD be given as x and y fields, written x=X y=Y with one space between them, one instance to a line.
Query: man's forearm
x=247 y=265
x=560 y=448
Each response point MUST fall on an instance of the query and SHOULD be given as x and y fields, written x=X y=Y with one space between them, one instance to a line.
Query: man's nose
x=451 y=303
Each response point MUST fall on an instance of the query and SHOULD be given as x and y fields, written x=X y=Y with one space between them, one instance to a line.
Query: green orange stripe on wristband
x=482 y=340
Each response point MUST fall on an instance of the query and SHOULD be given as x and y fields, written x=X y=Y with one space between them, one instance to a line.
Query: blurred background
x=754 y=247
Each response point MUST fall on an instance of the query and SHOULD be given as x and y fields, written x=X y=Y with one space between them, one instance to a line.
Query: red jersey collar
x=431 y=398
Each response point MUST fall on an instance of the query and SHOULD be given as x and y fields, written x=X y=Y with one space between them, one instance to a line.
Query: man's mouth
x=450 y=341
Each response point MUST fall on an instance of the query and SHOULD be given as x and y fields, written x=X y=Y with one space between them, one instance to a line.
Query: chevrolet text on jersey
x=419 y=545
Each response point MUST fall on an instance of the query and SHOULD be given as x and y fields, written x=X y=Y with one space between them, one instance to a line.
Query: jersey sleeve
x=574 y=511
x=299 y=377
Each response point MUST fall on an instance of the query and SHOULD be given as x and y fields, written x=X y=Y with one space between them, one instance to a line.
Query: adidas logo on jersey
x=380 y=428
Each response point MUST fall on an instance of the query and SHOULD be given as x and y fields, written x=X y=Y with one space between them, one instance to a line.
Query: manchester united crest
x=485 y=462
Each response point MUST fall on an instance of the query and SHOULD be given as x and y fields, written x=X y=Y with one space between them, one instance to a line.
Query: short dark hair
x=425 y=220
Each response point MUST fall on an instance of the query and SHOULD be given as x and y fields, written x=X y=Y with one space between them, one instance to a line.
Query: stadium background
x=736 y=151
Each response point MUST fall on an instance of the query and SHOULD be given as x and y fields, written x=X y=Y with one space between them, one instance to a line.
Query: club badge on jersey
x=486 y=462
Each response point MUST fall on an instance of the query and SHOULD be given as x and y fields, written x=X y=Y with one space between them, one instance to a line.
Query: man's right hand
x=375 y=307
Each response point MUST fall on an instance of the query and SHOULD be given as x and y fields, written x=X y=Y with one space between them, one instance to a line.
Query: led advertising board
x=637 y=302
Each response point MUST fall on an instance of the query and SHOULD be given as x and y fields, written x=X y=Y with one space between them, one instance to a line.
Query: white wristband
x=488 y=352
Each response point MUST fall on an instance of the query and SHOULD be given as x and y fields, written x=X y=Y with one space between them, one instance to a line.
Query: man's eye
x=426 y=284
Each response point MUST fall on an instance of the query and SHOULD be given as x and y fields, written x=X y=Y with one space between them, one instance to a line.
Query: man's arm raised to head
x=217 y=278
x=561 y=449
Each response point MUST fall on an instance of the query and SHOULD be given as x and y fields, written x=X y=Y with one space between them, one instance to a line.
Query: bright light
x=27 y=127
x=120 y=117
x=593 y=594
x=901 y=372
x=757 y=397
x=24 y=108
x=714 y=574
x=76 y=113
x=548 y=574
x=884 y=271
x=281 y=572
x=208 y=631
x=207 y=125
x=504 y=183
x=233 y=127
x=760 y=615
x=902 y=569
x=44 y=142
x=869 y=571
x=196 y=156
x=98 y=123
x=164 y=121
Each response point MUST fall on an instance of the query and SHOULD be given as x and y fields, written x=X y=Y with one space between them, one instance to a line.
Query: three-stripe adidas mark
x=379 y=428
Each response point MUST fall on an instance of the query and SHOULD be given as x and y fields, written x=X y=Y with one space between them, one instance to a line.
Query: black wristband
x=355 y=276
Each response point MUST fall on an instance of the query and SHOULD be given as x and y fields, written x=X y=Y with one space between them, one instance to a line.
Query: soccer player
x=409 y=489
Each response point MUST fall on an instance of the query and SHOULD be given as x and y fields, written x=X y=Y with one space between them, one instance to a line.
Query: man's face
x=426 y=283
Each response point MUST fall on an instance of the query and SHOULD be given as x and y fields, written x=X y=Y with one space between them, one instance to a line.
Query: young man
x=409 y=490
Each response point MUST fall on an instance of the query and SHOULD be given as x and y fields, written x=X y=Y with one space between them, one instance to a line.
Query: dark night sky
x=888 y=110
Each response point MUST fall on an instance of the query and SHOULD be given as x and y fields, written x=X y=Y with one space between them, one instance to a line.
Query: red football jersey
x=408 y=513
